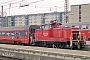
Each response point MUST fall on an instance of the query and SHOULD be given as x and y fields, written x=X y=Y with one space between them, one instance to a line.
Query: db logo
x=45 y=34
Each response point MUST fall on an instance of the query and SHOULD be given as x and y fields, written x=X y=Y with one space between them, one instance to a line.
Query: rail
x=11 y=52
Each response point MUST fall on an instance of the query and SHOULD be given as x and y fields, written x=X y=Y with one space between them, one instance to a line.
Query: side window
x=23 y=33
x=89 y=27
x=83 y=27
x=51 y=25
x=26 y=33
x=12 y=33
x=7 y=33
x=3 y=33
x=77 y=26
x=43 y=27
x=17 y=33
x=46 y=26
x=0 y=34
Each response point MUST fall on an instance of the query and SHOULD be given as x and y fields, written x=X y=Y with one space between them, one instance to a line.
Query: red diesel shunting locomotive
x=51 y=35
x=58 y=36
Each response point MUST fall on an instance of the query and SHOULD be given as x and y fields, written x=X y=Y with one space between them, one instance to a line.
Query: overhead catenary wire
x=23 y=6
x=31 y=3
x=13 y=2
x=49 y=8
x=40 y=11
x=7 y=2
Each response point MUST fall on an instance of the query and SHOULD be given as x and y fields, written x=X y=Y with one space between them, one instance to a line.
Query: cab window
x=83 y=27
x=77 y=26
x=51 y=25
x=45 y=27
x=89 y=27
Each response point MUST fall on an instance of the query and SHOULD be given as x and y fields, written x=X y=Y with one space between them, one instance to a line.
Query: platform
x=40 y=53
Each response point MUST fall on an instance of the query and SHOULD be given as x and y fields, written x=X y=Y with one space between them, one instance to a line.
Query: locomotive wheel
x=71 y=47
x=78 y=45
x=19 y=43
x=62 y=45
x=15 y=42
x=53 y=45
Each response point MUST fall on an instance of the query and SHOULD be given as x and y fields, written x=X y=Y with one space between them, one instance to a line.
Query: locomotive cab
x=54 y=35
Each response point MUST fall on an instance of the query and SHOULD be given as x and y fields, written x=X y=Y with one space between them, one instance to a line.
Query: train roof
x=28 y=26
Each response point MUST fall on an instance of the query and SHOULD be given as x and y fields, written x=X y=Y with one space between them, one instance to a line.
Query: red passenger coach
x=17 y=35
x=57 y=36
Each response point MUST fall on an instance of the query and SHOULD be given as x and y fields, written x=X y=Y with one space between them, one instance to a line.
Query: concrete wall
x=79 y=13
x=85 y=13
x=74 y=14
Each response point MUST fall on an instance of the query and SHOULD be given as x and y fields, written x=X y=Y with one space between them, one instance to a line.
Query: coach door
x=24 y=36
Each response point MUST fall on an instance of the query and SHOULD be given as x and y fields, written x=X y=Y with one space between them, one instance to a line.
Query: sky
x=39 y=7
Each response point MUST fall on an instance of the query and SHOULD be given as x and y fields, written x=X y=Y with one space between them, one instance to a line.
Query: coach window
x=12 y=33
x=23 y=33
x=0 y=34
x=3 y=33
x=7 y=33
x=83 y=27
x=26 y=33
x=17 y=33
x=89 y=27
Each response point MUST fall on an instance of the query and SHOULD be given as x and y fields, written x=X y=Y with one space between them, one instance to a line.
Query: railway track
x=77 y=52
x=46 y=51
x=8 y=58
x=86 y=48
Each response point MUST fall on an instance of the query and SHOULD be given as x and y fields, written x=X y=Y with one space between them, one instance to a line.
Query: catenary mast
x=66 y=11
